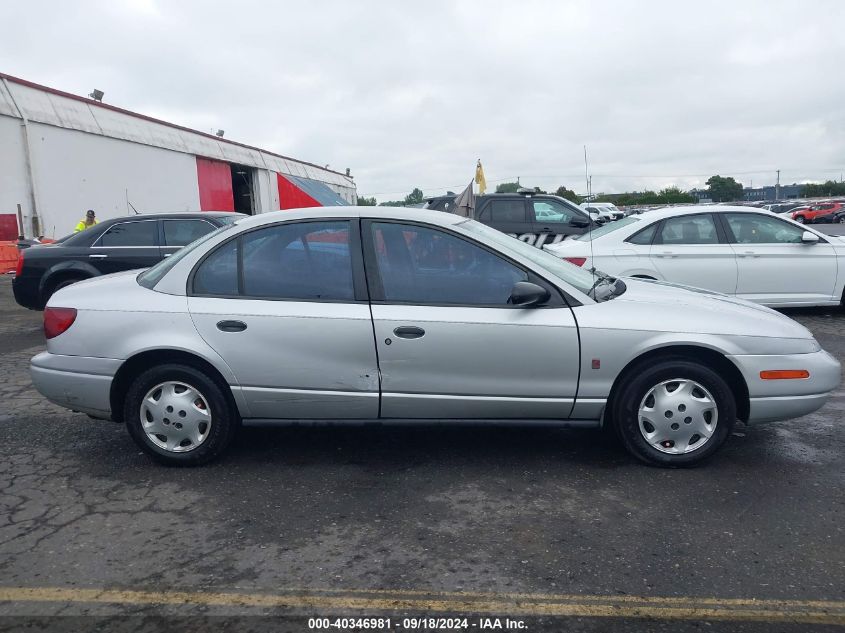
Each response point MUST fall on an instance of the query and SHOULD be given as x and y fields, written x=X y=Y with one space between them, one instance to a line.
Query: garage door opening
x=243 y=188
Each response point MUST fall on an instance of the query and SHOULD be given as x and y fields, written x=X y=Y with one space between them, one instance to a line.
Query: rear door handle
x=409 y=331
x=231 y=326
x=98 y=256
x=666 y=254
x=748 y=254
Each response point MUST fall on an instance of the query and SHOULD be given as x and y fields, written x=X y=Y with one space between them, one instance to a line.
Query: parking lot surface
x=560 y=529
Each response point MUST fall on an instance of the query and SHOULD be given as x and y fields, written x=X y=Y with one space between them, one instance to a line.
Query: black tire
x=635 y=386
x=223 y=427
x=800 y=219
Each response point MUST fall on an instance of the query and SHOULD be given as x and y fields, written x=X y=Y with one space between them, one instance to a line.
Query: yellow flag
x=479 y=178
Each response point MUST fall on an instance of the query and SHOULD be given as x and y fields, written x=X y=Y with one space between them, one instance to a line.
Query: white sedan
x=740 y=251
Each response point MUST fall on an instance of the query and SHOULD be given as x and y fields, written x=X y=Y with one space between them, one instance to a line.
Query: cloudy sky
x=410 y=94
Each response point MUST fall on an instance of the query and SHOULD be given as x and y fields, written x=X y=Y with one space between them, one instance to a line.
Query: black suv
x=534 y=218
x=137 y=241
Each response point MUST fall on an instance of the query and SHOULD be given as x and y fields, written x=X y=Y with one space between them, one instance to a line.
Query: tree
x=563 y=192
x=673 y=195
x=507 y=187
x=829 y=188
x=366 y=202
x=724 y=189
x=415 y=197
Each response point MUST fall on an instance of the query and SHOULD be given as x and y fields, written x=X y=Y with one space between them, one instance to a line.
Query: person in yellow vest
x=89 y=221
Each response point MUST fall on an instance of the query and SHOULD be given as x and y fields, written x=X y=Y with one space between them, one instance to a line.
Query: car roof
x=183 y=215
x=376 y=213
x=670 y=212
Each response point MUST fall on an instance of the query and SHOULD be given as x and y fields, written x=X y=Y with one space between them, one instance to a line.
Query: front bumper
x=772 y=400
x=79 y=383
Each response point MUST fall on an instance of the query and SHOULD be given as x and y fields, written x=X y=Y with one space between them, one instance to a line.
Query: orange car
x=822 y=212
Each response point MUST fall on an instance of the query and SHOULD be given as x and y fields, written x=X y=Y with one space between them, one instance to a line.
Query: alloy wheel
x=175 y=416
x=678 y=416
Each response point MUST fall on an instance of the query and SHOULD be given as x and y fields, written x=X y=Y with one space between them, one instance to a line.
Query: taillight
x=19 y=267
x=578 y=261
x=58 y=320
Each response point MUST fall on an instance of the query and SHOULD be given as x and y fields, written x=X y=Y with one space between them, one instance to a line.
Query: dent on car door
x=775 y=266
x=449 y=344
x=691 y=250
x=285 y=306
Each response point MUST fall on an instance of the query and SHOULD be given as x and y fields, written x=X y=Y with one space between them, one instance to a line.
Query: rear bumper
x=79 y=383
x=26 y=294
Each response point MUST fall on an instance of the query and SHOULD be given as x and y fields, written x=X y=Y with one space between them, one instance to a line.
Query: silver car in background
x=356 y=313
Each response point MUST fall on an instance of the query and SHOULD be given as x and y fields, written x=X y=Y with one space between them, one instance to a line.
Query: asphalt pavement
x=556 y=530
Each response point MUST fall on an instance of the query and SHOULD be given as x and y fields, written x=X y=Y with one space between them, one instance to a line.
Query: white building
x=61 y=154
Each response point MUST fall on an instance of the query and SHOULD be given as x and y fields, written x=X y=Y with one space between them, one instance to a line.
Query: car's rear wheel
x=178 y=415
x=841 y=219
x=674 y=412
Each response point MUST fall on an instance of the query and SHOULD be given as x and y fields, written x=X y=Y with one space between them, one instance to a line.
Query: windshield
x=149 y=278
x=607 y=228
x=581 y=279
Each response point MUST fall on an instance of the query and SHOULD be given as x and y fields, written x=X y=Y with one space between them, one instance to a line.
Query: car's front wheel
x=841 y=219
x=800 y=219
x=674 y=412
x=178 y=415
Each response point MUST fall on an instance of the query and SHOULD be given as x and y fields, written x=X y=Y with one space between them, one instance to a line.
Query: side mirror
x=526 y=294
x=579 y=222
x=809 y=238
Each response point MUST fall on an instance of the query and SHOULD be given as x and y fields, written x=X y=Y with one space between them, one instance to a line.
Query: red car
x=822 y=212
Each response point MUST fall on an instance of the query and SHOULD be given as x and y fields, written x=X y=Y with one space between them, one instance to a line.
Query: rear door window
x=307 y=261
x=183 y=232
x=689 y=229
x=504 y=212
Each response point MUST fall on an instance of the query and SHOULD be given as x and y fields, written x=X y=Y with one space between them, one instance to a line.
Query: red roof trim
x=137 y=115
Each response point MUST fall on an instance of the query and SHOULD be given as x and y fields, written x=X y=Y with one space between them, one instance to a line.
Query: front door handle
x=546 y=229
x=409 y=331
x=667 y=254
x=231 y=326
x=97 y=256
x=747 y=254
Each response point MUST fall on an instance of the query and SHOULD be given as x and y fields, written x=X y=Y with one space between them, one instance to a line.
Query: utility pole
x=777 y=187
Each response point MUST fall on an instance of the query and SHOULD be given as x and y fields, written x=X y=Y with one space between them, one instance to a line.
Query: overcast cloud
x=412 y=93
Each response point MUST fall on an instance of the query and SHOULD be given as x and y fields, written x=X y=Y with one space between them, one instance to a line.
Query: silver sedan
x=355 y=313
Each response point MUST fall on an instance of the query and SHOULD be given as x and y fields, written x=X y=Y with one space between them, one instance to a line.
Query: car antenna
x=590 y=218
x=129 y=204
